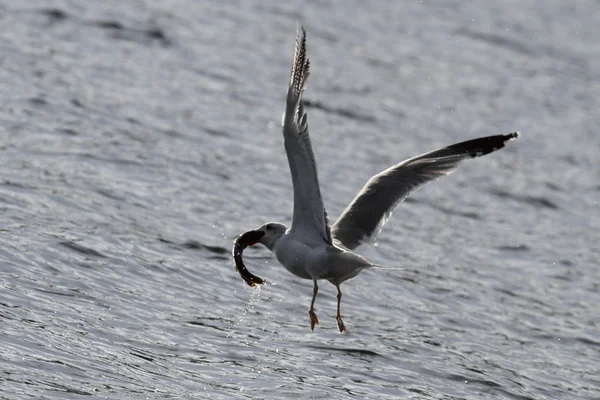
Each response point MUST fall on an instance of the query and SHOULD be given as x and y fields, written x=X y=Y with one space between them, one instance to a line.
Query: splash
x=254 y=298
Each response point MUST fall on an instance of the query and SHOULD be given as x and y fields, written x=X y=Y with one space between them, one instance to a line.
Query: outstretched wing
x=309 y=221
x=363 y=219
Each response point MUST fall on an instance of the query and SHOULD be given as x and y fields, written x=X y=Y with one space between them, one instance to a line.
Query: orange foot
x=313 y=319
x=340 y=323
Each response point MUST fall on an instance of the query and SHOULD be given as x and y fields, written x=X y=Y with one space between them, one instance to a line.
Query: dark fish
x=247 y=239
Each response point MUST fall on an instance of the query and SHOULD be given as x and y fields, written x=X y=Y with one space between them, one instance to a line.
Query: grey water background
x=138 y=138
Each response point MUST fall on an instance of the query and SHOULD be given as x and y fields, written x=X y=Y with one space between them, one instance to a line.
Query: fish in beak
x=249 y=238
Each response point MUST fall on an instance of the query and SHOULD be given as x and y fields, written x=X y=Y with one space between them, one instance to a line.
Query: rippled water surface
x=138 y=138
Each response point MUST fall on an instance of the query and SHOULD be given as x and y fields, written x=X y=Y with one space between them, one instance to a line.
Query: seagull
x=310 y=248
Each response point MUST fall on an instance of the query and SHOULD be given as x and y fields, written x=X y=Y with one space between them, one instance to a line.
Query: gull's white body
x=323 y=261
x=309 y=249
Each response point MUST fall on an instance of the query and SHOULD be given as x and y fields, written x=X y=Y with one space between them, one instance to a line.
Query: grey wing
x=363 y=219
x=309 y=218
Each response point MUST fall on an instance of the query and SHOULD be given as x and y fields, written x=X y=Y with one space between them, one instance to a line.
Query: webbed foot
x=340 y=323
x=313 y=319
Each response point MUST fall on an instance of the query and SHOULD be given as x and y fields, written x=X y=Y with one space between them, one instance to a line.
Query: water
x=139 y=138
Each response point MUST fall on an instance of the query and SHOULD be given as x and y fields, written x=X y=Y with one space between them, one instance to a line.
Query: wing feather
x=309 y=216
x=363 y=219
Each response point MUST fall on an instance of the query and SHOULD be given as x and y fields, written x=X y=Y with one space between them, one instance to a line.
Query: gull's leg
x=313 y=317
x=338 y=317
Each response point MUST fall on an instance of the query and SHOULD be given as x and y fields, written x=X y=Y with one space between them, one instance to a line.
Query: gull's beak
x=249 y=238
x=252 y=237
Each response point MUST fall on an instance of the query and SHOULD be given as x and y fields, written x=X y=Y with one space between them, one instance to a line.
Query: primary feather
x=363 y=219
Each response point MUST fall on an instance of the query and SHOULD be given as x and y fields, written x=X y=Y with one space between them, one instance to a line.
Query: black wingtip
x=476 y=147
x=300 y=29
x=301 y=64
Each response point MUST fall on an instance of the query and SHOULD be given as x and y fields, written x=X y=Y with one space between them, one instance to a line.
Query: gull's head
x=269 y=233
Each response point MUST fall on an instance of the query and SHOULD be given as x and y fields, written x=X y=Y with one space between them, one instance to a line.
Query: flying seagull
x=310 y=249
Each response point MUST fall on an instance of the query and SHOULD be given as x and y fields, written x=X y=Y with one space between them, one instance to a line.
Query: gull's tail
x=298 y=77
x=379 y=266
